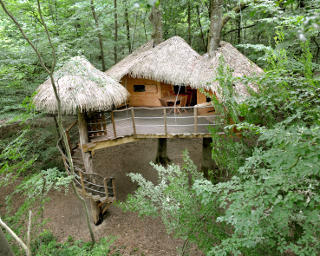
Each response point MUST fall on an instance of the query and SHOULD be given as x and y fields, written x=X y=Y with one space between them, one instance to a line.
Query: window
x=208 y=99
x=181 y=91
x=139 y=88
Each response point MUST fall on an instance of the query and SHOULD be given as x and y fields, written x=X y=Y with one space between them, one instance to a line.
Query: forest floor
x=134 y=235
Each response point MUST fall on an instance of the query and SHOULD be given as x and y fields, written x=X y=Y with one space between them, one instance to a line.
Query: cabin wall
x=148 y=98
x=202 y=98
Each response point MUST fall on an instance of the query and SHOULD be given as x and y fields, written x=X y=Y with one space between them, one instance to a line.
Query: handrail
x=84 y=178
x=165 y=121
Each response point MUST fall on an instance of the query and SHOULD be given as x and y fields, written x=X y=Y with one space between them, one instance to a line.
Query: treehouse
x=164 y=93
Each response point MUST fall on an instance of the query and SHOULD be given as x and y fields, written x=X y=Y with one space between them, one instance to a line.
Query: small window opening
x=208 y=99
x=139 y=88
x=182 y=89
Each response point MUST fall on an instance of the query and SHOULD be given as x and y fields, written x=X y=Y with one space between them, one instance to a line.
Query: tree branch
x=236 y=29
x=14 y=235
x=236 y=9
x=24 y=36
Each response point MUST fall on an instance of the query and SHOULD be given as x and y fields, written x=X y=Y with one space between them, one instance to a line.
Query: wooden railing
x=91 y=185
x=155 y=121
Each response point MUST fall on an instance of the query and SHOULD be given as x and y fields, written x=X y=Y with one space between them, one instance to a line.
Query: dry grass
x=81 y=87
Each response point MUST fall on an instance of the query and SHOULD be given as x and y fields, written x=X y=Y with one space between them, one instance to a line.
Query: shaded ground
x=135 y=236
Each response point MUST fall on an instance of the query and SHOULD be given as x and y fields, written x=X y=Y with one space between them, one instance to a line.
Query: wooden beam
x=93 y=146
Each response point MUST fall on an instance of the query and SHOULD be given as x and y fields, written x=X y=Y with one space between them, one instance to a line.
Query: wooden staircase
x=101 y=191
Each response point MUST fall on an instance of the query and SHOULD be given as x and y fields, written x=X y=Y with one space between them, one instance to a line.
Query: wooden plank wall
x=149 y=98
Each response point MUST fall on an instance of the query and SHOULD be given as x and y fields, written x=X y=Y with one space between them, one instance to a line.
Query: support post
x=162 y=157
x=165 y=121
x=195 y=114
x=133 y=122
x=207 y=162
x=114 y=188
x=84 y=139
x=87 y=161
x=113 y=125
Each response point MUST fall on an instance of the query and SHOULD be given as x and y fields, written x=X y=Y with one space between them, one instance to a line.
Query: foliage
x=174 y=199
x=270 y=205
x=47 y=245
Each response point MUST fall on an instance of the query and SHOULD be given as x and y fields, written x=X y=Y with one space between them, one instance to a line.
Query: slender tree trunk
x=156 y=21
x=103 y=65
x=239 y=30
x=200 y=26
x=5 y=249
x=115 y=48
x=301 y=4
x=189 y=22
x=215 y=26
x=126 y=15
x=50 y=72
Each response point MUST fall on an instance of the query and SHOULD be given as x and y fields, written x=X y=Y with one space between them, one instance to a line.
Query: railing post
x=82 y=184
x=195 y=114
x=105 y=184
x=104 y=124
x=165 y=121
x=133 y=122
x=113 y=125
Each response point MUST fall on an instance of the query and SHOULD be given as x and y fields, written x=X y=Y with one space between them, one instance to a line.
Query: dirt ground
x=135 y=236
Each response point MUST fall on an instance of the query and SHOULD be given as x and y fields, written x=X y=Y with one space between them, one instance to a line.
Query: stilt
x=95 y=211
x=207 y=162
x=87 y=161
x=162 y=157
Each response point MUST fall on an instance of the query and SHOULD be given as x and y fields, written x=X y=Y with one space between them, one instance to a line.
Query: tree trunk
x=126 y=15
x=156 y=21
x=239 y=30
x=4 y=245
x=103 y=65
x=200 y=26
x=115 y=31
x=189 y=22
x=215 y=26
x=301 y=4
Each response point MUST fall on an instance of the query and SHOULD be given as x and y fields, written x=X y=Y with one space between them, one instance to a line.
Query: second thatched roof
x=81 y=87
x=170 y=62
x=175 y=62
x=205 y=69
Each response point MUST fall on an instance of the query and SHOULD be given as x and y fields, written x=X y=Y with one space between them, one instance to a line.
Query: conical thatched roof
x=205 y=69
x=81 y=87
x=169 y=62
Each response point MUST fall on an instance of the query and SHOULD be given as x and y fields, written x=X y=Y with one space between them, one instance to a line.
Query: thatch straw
x=175 y=62
x=169 y=62
x=205 y=69
x=81 y=87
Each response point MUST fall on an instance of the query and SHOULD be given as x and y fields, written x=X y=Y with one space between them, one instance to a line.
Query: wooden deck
x=130 y=124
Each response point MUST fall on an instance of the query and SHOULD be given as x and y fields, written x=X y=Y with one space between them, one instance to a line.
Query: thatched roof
x=81 y=87
x=169 y=62
x=205 y=69
x=175 y=62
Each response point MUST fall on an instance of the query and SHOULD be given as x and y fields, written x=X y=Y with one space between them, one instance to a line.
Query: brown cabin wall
x=148 y=98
